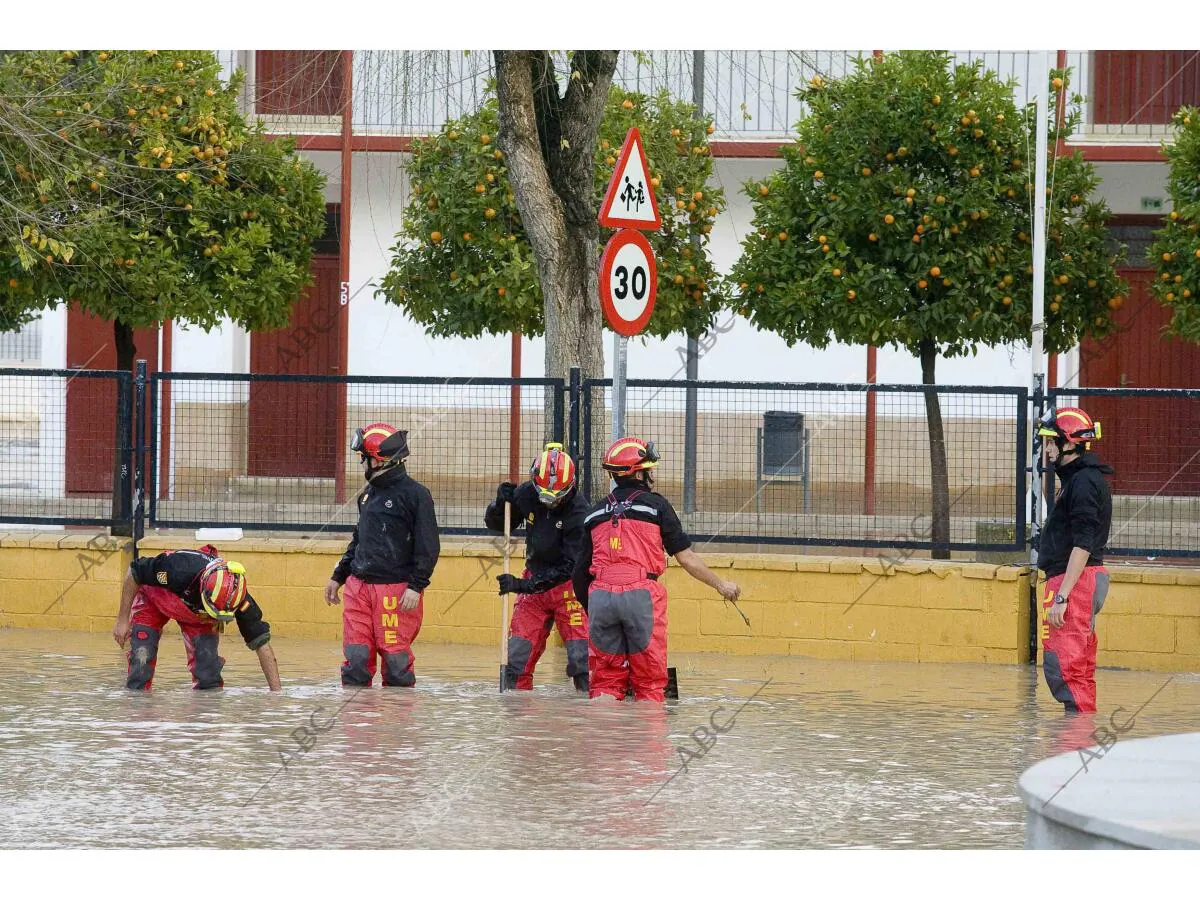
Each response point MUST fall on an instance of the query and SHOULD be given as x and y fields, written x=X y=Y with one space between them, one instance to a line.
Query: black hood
x=1085 y=460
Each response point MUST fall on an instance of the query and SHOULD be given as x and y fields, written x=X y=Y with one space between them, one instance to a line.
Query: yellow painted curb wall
x=825 y=607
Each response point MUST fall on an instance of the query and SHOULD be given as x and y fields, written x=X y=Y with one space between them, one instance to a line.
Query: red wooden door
x=293 y=425
x=1152 y=443
x=92 y=402
x=1143 y=87
x=298 y=82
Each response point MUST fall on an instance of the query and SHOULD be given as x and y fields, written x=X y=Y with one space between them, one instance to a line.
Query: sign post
x=628 y=272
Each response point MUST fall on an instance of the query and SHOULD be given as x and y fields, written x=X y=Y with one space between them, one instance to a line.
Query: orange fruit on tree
x=935 y=272
x=627 y=104
x=1058 y=84
x=698 y=196
x=485 y=139
x=479 y=188
x=911 y=192
x=763 y=190
x=837 y=273
x=501 y=291
x=889 y=218
x=872 y=237
x=435 y=236
x=467 y=235
x=946 y=282
x=1054 y=307
x=850 y=295
x=1007 y=301
x=866 y=172
x=1116 y=302
x=678 y=279
x=489 y=213
x=922 y=284
x=916 y=239
x=782 y=236
x=818 y=174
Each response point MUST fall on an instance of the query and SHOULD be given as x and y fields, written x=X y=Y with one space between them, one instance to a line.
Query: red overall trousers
x=153 y=608
x=372 y=622
x=533 y=617
x=627 y=608
x=1069 y=653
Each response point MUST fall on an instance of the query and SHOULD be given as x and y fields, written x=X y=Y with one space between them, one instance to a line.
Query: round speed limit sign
x=628 y=282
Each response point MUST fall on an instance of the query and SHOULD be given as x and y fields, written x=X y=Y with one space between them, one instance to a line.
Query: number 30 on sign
x=628 y=282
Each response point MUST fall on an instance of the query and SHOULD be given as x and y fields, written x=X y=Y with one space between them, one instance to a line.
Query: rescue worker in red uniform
x=551 y=510
x=1070 y=553
x=200 y=591
x=626 y=540
x=388 y=564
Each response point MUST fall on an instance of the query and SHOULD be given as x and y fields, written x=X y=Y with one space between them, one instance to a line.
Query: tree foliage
x=133 y=186
x=463 y=264
x=903 y=216
x=1177 y=247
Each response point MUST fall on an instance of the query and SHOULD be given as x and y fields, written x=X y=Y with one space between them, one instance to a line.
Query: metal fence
x=1151 y=437
x=833 y=465
x=66 y=447
x=269 y=451
x=771 y=463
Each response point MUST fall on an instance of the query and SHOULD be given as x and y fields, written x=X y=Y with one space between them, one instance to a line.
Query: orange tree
x=903 y=216
x=463 y=264
x=133 y=186
x=1177 y=247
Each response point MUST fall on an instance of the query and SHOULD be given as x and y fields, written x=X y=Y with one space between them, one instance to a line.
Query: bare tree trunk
x=938 y=474
x=549 y=141
x=122 y=498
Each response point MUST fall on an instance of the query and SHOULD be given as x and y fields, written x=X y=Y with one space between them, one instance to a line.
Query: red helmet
x=628 y=455
x=381 y=442
x=222 y=589
x=1070 y=423
x=553 y=474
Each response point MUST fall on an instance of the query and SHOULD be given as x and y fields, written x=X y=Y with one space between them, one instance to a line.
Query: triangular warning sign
x=629 y=201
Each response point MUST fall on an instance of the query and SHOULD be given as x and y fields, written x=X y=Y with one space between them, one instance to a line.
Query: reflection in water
x=828 y=754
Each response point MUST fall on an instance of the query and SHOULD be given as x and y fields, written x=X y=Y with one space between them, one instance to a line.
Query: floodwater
x=779 y=752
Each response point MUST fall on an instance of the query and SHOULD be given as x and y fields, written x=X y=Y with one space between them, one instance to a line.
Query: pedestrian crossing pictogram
x=629 y=201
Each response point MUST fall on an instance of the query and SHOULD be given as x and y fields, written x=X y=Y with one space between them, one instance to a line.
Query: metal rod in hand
x=504 y=597
x=745 y=618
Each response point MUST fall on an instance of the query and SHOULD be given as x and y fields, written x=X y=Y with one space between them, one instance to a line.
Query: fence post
x=573 y=413
x=560 y=389
x=1034 y=469
x=139 y=459
x=152 y=396
x=123 y=482
x=585 y=457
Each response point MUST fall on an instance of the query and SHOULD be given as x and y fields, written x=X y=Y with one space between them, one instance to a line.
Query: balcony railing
x=1129 y=96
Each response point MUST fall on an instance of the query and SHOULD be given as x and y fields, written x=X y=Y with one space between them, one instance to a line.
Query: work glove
x=506 y=492
x=511 y=584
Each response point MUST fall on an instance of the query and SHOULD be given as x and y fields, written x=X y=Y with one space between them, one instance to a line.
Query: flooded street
x=779 y=752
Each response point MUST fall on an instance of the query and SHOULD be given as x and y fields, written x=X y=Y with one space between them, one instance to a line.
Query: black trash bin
x=783 y=436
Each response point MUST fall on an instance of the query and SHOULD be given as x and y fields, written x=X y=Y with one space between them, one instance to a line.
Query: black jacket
x=396 y=539
x=179 y=572
x=1082 y=515
x=552 y=536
